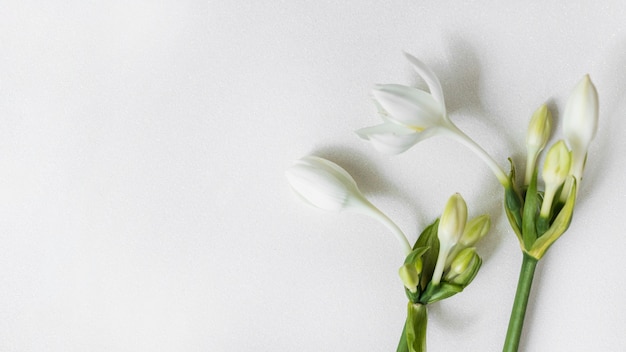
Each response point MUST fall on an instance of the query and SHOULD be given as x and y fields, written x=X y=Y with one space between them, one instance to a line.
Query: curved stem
x=385 y=220
x=516 y=322
x=464 y=139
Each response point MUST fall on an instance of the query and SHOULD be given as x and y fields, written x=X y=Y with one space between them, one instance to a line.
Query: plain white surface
x=142 y=151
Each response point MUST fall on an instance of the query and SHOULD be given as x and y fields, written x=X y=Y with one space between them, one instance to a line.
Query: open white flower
x=409 y=114
x=326 y=185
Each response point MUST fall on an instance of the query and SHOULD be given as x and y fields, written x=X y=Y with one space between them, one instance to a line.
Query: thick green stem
x=413 y=337
x=516 y=322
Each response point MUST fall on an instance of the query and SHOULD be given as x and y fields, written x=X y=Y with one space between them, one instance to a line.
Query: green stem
x=516 y=322
x=413 y=337
x=402 y=345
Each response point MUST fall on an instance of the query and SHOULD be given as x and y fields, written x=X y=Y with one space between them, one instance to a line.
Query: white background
x=143 y=204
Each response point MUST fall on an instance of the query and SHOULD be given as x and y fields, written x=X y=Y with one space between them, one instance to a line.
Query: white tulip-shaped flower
x=326 y=185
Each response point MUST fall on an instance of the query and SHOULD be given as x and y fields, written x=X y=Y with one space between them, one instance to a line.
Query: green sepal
x=531 y=210
x=415 y=329
x=428 y=238
x=415 y=255
x=513 y=204
x=434 y=293
x=558 y=227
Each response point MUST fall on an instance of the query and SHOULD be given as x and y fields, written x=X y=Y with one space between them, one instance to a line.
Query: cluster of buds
x=444 y=260
x=540 y=217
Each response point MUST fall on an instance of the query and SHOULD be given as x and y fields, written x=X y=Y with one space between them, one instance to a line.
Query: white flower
x=325 y=185
x=409 y=114
x=580 y=123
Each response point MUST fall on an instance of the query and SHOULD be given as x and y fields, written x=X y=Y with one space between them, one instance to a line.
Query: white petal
x=391 y=138
x=409 y=106
x=429 y=77
x=337 y=171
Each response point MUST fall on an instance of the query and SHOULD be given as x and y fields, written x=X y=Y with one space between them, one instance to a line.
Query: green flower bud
x=536 y=138
x=475 y=229
x=555 y=170
x=460 y=263
x=410 y=275
x=539 y=128
x=464 y=267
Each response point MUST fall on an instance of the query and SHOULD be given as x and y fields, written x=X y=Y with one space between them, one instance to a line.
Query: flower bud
x=539 y=129
x=557 y=165
x=475 y=229
x=460 y=263
x=556 y=168
x=410 y=275
x=451 y=226
x=465 y=266
x=452 y=221
x=536 y=138
x=324 y=184
x=580 y=122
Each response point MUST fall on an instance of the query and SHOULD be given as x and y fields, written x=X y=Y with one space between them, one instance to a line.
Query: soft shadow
x=460 y=77
x=367 y=174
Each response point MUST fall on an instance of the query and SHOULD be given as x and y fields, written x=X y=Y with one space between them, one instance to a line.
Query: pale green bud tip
x=539 y=129
x=557 y=165
x=324 y=184
x=410 y=275
x=452 y=222
x=475 y=229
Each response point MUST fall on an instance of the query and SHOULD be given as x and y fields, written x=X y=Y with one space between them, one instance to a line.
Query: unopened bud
x=555 y=170
x=536 y=138
x=464 y=267
x=451 y=226
x=410 y=275
x=475 y=229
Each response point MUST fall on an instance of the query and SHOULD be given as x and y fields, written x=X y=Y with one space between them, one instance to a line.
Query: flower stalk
x=518 y=313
